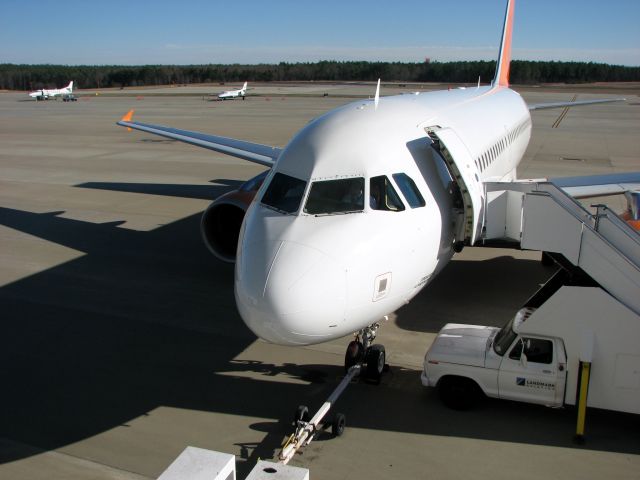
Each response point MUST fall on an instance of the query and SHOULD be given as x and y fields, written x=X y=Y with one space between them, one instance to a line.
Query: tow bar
x=307 y=429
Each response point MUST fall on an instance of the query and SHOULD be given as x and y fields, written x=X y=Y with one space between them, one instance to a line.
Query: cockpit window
x=409 y=190
x=284 y=193
x=382 y=195
x=328 y=197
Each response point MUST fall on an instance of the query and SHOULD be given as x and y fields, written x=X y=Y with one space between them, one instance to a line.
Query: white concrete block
x=276 y=471
x=200 y=464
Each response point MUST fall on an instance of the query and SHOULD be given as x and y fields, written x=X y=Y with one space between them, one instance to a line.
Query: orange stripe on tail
x=504 y=62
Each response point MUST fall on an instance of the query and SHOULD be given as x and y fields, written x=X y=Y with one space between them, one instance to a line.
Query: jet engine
x=222 y=220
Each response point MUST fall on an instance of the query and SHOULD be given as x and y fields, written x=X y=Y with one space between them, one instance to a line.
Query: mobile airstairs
x=541 y=216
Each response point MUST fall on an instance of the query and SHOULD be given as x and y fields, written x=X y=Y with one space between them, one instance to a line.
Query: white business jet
x=363 y=207
x=45 y=94
x=231 y=94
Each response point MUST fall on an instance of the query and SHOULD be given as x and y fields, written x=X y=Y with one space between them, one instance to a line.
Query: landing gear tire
x=338 y=425
x=354 y=354
x=375 y=360
x=302 y=414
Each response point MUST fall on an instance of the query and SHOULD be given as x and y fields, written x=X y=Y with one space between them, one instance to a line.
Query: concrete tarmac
x=121 y=343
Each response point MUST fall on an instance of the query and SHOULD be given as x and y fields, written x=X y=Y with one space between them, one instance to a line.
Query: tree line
x=33 y=77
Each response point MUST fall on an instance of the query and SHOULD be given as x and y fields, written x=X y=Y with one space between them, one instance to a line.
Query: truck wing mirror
x=523 y=360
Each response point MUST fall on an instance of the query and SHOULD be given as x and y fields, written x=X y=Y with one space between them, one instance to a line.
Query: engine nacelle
x=222 y=220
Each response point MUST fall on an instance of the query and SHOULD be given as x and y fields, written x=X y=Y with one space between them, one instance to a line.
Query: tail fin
x=504 y=61
x=70 y=86
x=377 y=97
x=244 y=87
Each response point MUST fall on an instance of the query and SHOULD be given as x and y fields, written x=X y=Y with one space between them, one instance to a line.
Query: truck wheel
x=458 y=393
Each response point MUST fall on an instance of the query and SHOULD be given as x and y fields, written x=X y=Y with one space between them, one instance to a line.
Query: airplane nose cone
x=291 y=296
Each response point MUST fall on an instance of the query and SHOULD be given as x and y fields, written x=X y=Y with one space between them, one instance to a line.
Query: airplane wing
x=598 y=185
x=541 y=106
x=253 y=152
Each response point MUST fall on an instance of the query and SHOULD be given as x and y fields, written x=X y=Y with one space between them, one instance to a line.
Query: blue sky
x=129 y=32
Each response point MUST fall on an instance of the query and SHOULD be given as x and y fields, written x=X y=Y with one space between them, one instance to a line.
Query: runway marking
x=556 y=124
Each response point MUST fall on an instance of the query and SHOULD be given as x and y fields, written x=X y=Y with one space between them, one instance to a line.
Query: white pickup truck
x=535 y=357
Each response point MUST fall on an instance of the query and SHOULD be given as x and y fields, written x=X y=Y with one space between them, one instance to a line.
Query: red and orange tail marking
x=504 y=62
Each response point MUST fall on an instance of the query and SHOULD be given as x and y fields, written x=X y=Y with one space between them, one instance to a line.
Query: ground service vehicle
x=535 y=357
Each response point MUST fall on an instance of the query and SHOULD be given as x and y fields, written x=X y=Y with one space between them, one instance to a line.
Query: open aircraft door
x=464 y=173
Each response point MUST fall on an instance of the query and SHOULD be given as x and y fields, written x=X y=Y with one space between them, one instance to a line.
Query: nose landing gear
x=362 y=358
x=362 y=351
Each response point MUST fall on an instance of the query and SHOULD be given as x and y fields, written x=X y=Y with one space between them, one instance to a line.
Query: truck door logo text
x=523 y=382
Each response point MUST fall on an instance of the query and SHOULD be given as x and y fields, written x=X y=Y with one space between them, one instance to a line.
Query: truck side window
x=516 y=351
x=536 y=350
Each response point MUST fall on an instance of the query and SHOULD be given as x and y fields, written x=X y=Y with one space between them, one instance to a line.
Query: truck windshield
x=284 y=193
x=335 y=196
x=504 y=338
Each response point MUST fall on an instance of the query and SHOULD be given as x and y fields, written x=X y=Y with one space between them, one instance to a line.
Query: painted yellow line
x=556 y=124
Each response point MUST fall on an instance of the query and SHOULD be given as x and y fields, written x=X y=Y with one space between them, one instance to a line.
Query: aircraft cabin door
x=462 y=168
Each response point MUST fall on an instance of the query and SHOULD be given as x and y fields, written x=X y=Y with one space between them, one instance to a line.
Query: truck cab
x=465 y=360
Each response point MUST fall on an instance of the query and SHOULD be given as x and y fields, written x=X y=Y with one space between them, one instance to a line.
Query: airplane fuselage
x=309 y=269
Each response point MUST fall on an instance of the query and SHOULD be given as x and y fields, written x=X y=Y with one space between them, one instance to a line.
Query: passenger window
x=382 y=195
x=409 y=190
x=335 y=196
x=284 y=193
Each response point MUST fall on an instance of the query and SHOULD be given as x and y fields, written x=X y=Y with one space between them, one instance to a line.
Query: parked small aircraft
x=231 y=94
x=45 y=94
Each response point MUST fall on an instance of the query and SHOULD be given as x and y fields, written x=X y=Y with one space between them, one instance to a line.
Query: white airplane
x=234 y=93
x=360 y=211
x=45 y=94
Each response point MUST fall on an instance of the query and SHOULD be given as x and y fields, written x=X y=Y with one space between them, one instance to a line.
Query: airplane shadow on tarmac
x=148 y=319
x=487 y=292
